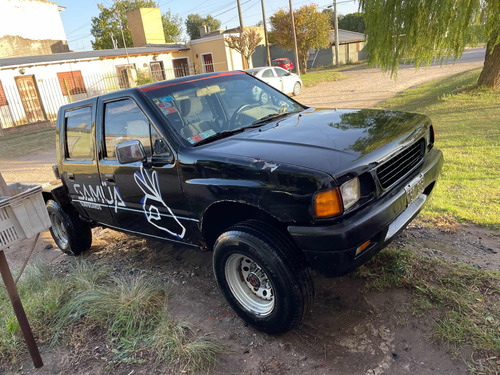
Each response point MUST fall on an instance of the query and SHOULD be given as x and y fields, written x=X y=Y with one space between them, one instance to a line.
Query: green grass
x=129 y=315
x=466 y=299
x=25 y=142
x=316 y=76
x=466 y=121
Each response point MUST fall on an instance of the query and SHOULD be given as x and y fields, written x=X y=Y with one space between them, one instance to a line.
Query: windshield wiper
x=255 y=124
x=224 y=134
x=273 y=116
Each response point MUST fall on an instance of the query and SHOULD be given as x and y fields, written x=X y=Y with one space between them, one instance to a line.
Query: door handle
x=71 y=176
x=109 y=177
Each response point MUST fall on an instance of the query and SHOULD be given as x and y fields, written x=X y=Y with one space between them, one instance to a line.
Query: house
x=211 y=52
x=351 y=49
x=32 y=88
x=31 y=27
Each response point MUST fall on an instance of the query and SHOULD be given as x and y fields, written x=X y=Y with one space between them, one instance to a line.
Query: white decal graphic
x=99 y=194
x=152 y=200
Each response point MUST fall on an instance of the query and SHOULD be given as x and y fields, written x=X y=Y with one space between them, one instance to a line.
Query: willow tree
x=419 y=31
x=311 y=27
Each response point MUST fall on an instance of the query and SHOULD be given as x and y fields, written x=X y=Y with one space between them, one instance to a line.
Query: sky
x=78 y=14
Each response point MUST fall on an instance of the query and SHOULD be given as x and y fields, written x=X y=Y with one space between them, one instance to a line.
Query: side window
x=124 y=121
x=281 y=72
x=78 y=131
x=268 y=73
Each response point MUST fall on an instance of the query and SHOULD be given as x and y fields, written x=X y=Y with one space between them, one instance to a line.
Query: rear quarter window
x=78 y=130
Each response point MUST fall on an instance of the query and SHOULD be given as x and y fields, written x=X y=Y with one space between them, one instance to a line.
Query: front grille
x=400 y=165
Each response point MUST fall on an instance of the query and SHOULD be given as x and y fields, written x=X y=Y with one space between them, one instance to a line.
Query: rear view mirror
x=129 y=152
x=209 y=90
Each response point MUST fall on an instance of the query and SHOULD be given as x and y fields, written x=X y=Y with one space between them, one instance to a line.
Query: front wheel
x=262 y=276
x=297 y=88
x=71 y=234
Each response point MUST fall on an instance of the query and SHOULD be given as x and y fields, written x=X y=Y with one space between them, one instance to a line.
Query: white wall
x=31 y=19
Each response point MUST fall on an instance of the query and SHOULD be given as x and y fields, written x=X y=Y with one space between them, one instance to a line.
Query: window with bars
x=72 y=82
x=3 y=98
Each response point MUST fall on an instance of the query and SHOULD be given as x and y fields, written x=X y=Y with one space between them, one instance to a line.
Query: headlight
x=333 y=202
x=350 y=192
x=430 y=137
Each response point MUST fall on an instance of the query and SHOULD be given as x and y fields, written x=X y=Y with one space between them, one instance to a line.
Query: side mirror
x=129 y=152
x=288 y=74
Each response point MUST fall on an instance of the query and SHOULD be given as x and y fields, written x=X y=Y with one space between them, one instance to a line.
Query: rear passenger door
x=151 y=193
x=78 y=166
x=269 y=76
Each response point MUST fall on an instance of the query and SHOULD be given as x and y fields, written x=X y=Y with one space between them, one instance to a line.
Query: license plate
x=414 y=189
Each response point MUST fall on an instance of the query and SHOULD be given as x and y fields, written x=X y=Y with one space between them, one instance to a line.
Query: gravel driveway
x=367 y=87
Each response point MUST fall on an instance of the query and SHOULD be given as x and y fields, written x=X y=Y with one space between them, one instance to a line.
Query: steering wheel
x=235 y=117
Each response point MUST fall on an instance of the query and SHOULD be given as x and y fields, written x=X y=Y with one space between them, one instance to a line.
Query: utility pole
x=336 y=32
x=294 y=39
x=124 y=44
x=239 y=14
x=265 y=33
x=241 y=32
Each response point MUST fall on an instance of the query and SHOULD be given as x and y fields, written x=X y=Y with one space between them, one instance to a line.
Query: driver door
x=286 y=81
x=150 y=198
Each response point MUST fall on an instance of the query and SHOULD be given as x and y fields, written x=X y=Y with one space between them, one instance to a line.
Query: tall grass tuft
x=130 y=312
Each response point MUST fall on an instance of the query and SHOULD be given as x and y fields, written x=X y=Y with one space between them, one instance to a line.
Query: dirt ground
x=349 y=330
x=365 y=88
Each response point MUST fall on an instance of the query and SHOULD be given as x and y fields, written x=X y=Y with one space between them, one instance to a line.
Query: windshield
x=201 y=108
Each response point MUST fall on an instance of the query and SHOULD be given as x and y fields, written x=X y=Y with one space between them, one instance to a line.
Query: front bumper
x=331 y=249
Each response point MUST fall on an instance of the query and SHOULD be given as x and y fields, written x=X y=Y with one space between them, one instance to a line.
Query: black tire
x=263 y=276
x=71 y=234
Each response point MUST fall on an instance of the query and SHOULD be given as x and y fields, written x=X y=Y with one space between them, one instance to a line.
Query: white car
x=279 y=78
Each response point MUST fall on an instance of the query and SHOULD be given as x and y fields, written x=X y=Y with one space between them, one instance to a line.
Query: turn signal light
x=362 y=248
x=328 y=203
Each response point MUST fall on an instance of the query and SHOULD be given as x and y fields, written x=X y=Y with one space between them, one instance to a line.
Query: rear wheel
x=71 y=234
x=262 y=276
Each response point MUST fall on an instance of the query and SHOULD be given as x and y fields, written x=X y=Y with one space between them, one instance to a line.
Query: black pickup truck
x=226 y=163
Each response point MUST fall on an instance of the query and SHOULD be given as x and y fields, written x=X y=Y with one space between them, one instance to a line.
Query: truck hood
x=328 y=140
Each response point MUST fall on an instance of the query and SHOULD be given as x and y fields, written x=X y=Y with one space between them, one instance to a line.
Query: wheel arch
x=219 y=216
x=57 y=193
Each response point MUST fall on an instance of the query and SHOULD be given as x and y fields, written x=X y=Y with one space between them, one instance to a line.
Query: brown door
x=30 y=97
x=208 y=63
x=181 y=67
x=157 y=70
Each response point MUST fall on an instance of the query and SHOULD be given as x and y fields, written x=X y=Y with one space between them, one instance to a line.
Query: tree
x=352 y=22
x=194 y=21
x=107 y=25
x=422 y=31
x=172 y=27
x=245 y=43
x=311 y=27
